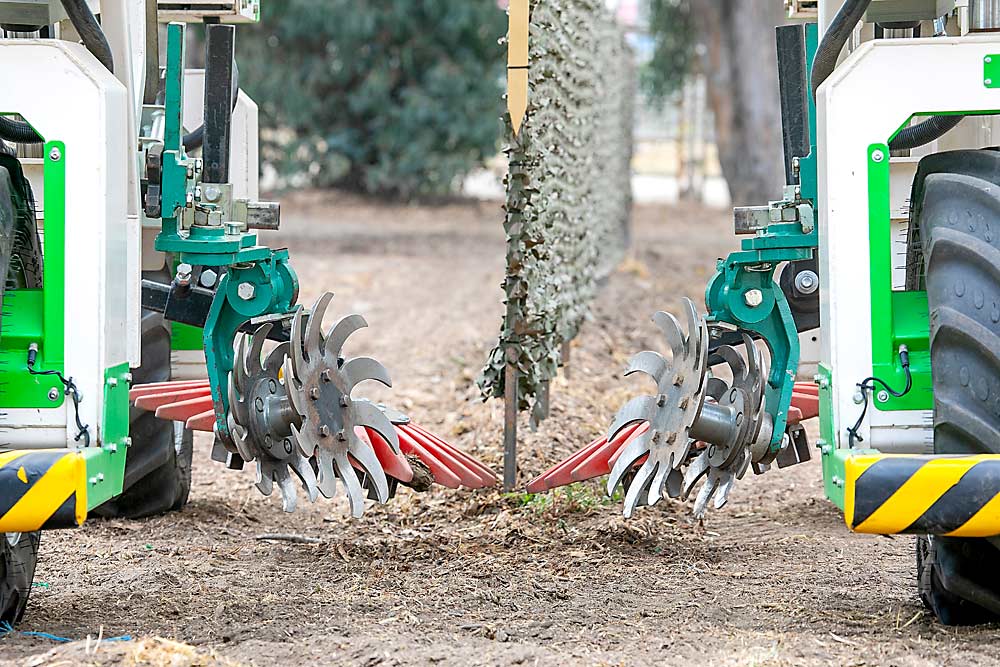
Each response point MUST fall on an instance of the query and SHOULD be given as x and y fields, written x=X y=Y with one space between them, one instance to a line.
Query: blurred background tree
x=732 y=44
x=393 y=97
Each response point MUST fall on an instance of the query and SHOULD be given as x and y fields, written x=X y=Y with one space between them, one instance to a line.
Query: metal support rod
x=565 y=358
x=510 y=421
x=220 y=47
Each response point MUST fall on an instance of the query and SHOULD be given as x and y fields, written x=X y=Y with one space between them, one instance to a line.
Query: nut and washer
x=753 y=297
x=877 y=155
x=55 y=154
x=53 y=394
x=807 y=282
x=883 y=396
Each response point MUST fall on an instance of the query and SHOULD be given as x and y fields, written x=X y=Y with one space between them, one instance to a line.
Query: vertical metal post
x=565 y=358
x=510 y=421
x=220 y=45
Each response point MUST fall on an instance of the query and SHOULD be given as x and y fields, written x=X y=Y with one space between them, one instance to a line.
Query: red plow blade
x=597 y=458
x=190 y=402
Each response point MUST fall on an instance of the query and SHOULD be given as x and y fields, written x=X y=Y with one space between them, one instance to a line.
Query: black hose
x=828 y=51
x=826 y=60
x=923 y=132
x=90 y=32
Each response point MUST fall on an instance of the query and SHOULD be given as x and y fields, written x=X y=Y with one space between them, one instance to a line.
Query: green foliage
x=389 y=96
x=568 y=188
x=672 y=28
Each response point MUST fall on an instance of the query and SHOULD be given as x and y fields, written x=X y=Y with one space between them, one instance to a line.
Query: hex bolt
x=859 y=397
x=128 y=442
x=208 y=278
x=53 y=394
x=113 y=447
x=112 y=382
x=807 y=282
x=883 y=396
x=877 y=155
x=753 y=297
x=344 y=401
x=55 y=154
x=128 y=378
x=314 y=393
x=324 y=431
x=183 y=275
x=246 y=291
x=341 y=435
x=325 y=376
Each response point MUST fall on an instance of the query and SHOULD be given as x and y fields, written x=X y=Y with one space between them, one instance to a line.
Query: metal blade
x=327 y=478
x=651 y=363
x=264 y=483
x=716 y=388
x=240 y=378
x=239 y=410
x=640 y=408
x=303 y=469
x=701 y=503
x=675 y=483
x=725 y=486
x=276 y=358
x=695 y=343
x=298 y=361
x=355 y=492
x=314 y=332
x=257 y=341
x=292 y=389
x=340 y=332
x=289 y=498
x=365 y=456
x=627 y=459
x=735 y=361
x=698 y=468
x=359 y=369
x=367 y=414
x=306 y=441
x=656 y=485
x=671 y=329
x=639 y=488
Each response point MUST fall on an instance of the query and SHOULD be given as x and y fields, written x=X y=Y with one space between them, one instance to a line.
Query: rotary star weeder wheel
x=690 y=405
x=319 y=383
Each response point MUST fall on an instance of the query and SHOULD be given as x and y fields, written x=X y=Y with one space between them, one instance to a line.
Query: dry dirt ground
x=482 y=578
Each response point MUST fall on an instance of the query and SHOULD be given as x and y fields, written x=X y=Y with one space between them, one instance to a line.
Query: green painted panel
x=991 y=70
x=897 y=318
x=36 y=316
x=185 y=337
x=106 y=473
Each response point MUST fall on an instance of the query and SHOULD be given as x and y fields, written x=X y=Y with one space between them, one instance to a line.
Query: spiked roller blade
x=670 y=412
x=320 y=385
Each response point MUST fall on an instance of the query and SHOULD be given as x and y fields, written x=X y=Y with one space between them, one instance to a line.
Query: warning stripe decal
x=42 y=488
x=940 y=495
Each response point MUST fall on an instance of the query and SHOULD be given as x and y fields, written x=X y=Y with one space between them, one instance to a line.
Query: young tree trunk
x=740 y=65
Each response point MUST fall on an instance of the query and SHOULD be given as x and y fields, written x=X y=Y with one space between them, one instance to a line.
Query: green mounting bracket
x=37 y=315
x=897 y=318
x=991 y=70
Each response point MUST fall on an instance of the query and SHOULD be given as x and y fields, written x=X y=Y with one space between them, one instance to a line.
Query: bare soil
x=483 y=578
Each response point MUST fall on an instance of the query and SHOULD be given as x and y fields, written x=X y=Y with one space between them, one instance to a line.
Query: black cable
x=868 y=384
x=86 y=25
x=69 y=388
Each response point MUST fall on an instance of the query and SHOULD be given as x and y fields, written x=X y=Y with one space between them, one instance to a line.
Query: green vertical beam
x=54 y=255
x=174 y=98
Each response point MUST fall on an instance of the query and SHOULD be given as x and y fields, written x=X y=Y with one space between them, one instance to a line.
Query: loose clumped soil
x=483 y=578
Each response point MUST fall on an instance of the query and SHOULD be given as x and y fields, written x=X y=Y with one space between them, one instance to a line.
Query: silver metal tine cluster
x=320 y=383
x=670 y=412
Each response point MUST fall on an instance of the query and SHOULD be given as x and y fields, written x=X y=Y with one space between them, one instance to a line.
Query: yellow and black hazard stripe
x=42 y=489
x=939 y=495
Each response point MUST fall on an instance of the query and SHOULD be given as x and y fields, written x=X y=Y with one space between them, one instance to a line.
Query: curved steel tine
x=701 y=502
x=753 y=355
x=698 y=469
x=365 y=456
x=239 y=364
x=276 y=358
x=639 y=488
x=725 y=486
x=286 y=486
x=651 y=363
x=367 y=414
x=633 y=450
x=340 y=332
x=264 y=483
x=640 y=408
x=297 y=341
x=352 y=485
x=238 y=408
x=239 y=439
x=257 y=347
x=359 y=369
x=307 y=442
x=744 y=464
x=656 y=485
x=716 y=388
x=675 y=483
x=303 y=469
x=671 y=329
x=314 y=330
x=736 y=363
x=694 y=328
x=326 y=480
x=292 y=387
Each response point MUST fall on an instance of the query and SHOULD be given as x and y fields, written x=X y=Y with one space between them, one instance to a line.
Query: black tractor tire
x=957 y=216
x=17 y=569
x=158 y=466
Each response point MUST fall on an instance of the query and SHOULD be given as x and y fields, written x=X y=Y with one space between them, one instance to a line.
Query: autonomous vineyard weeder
x=888 y=240
x=148 y=272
